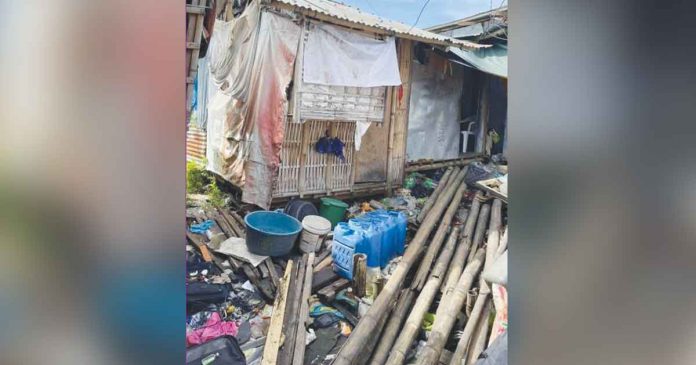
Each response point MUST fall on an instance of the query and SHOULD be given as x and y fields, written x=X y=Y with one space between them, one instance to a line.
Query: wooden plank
x=193 y=45
x=197 y=240
x=275 y=330
x=272 y=271
x=293 y=308
x=298 y=357
x=328 y=293
x=190 y=9
x=323 y=278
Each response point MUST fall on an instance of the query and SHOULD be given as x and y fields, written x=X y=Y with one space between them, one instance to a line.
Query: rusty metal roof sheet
x=353 y=15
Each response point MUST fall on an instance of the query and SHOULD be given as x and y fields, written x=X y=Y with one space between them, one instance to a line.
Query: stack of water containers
x=379 y=234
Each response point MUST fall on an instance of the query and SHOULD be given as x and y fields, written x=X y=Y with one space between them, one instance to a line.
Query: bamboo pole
x=494 y=233
x=354 y=347
x=481 y=225
x=273 y=339
x=458 y=354
x=478 y=342
x=298 y=357
x=438 y=189
x=484 y=291
x=425 y=298
x=470 y=300
x=387 y=339
x=447 y=312
x=503 y=242
x=438 y=238
x=459 y=260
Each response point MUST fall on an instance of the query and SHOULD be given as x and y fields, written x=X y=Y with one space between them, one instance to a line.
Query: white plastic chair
x=465 y=136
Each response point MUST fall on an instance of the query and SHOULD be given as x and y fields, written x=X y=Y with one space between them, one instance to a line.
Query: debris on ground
x=390 y=278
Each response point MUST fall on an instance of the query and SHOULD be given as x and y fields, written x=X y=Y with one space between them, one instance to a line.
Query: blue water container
x=401 y=226
x=387 y=226
x=371 y=243
x=346 y=240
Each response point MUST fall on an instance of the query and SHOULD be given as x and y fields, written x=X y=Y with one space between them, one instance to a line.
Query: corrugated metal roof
x=353 y=15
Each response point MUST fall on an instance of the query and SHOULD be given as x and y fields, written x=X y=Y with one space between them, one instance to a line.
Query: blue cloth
x=330 y=145
x=200 y=228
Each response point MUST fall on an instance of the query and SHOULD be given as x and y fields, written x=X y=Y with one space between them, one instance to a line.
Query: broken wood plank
x=291 y=313
x=323 y=278
x=275 y=330
x=298 y=357
x=197 y=241
x=328 y=293
x=272 y=271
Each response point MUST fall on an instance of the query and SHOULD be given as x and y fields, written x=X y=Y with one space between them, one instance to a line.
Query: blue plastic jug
x=387 y=225
x=372 y=239
x=401 y=226
x=345 y=243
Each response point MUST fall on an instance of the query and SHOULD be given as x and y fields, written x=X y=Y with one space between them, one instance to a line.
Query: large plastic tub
x=271 y=233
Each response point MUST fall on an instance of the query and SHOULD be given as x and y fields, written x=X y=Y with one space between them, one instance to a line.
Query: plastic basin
x=271 y=233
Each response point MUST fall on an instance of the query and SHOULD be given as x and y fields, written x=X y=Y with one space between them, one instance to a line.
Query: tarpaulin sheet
x=252 y=59
x=434 y=111
x=491 y=60
x=231 y=55
x=272 y=71
x=334 y=56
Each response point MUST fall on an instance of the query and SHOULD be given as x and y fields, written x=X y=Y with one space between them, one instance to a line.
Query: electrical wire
x=419 y=14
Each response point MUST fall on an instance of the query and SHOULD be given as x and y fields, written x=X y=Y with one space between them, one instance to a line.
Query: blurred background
x=92 y=185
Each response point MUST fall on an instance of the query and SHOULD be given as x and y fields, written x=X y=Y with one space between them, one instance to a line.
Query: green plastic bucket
x=332 y=209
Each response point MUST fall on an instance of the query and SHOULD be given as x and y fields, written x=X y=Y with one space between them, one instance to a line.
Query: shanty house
x=315 y=97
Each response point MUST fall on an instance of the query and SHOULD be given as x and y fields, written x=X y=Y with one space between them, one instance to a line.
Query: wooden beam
x=275 y=330
x=298 y=357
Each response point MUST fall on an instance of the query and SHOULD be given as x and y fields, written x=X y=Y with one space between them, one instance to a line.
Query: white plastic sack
x=334 y=56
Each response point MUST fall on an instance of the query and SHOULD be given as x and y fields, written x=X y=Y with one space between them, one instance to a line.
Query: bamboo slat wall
x=399 y=108
x=304 y=171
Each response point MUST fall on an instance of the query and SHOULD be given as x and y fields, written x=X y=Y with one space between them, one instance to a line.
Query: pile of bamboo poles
x=446 y=259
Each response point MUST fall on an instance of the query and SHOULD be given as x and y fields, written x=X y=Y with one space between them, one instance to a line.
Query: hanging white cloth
x=334 y=56
x=361 y=127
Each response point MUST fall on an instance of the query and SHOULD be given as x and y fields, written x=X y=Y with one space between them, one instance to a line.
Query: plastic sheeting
x=489 y=60
x=434 y=111
x=271 y=73
x=251 y=64
x=334 y=56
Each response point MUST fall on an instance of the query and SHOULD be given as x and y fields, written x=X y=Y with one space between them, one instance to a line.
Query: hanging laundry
x=330 y=145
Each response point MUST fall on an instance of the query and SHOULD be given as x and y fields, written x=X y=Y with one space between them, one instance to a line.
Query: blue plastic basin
x=271 y=233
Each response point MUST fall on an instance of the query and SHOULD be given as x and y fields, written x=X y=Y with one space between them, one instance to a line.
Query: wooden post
x=447 y=312
x=438 y=238
x=354 y=347
x=433 y=197
x=273 y=338
x=415 y=318
x=359 y=274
